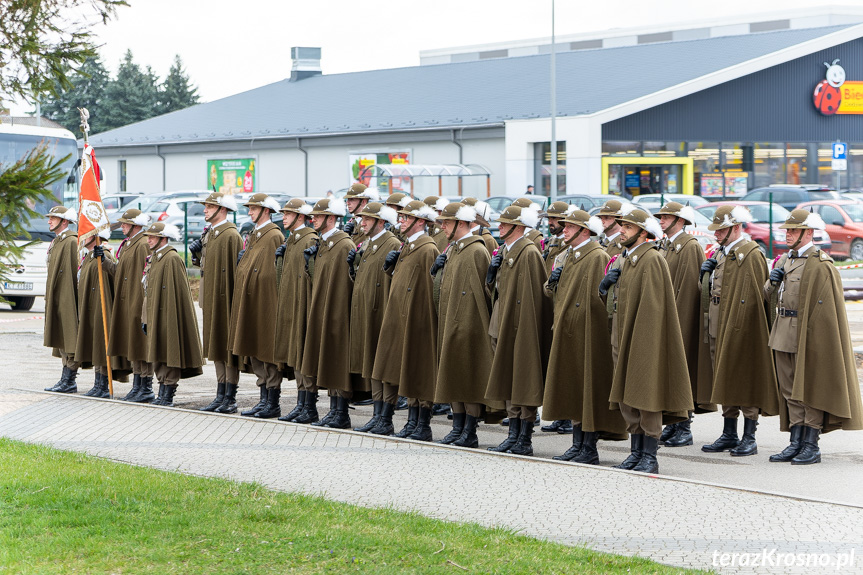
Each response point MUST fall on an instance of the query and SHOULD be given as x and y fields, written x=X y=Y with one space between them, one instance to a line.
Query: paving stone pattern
x=682 y=523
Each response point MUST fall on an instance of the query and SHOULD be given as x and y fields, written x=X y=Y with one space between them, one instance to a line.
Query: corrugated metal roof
x=454 y=95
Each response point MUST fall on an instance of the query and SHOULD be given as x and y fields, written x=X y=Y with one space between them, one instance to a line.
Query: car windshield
x=761 y=213
x=855 y=212
x=38 y=229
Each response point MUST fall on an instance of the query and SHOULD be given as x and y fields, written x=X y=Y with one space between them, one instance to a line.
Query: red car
x=844 y=219
x=759 y=228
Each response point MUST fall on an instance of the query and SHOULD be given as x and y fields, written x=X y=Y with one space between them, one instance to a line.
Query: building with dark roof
x=692 y=112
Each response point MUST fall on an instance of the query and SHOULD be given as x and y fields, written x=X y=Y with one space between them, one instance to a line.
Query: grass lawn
x=63 y=512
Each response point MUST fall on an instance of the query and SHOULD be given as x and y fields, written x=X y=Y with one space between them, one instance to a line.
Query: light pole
x=553 y=177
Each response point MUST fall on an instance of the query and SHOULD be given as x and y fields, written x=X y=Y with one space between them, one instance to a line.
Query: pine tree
x=177 y=92
x=131 y=97
x=87 y=91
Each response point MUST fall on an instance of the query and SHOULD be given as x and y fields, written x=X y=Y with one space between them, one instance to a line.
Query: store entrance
x=638 y=180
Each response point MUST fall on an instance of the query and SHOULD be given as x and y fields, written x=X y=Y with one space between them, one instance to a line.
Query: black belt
x=783 y=312
x=714 y=299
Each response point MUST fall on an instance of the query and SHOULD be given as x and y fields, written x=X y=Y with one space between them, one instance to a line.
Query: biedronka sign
x=834 y=95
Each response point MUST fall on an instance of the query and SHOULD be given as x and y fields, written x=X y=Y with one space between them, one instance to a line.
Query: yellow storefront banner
x=852 y=98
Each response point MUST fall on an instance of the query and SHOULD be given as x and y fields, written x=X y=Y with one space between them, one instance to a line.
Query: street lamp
x=553 y=178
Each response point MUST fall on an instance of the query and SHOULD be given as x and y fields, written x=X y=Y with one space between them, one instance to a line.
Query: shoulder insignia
x=741 y=256
x=825 y=256
x=259 y=234
x=510 y=262
x=297 y=236
x=634 y=259
x=412 y=246
x=374 y=248
x=158 y=257
x=677 y=247
x=329 y=245
x=217 y=232
x=461 y=246
x=577 y=255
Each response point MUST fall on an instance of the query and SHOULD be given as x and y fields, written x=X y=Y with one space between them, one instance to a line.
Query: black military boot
x=310 y=409
x=272 y=408
x=588 y=453
x=577 y=438
x=97 y=384
x=413 y=415
x=561 y=426
x=341 y=419
x=298 y=408
x=667 y=433
x=136 y=388
x=262 y=402
x=62 y=382
x=728 y=439
x=422 y=431
x=440 y=409
x=145 y=394
x=220 y=397
x=402 y=403
x=370 y=424
x=229 y=403
x=325 y=420
x=810 y=453
x=505 y=422
x=524 y=444
x=384 y=426
x=70 y=386
x=514 y=428
x=168 y=399
x=468 y=435
x=457 y=428
x=648 y=463
x=747 y=445
x=103 y=392
x=636 y=443
x=682 y=434
x=160 y=398
x=793 y=448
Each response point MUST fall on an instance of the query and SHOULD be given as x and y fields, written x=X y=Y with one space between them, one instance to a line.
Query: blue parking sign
x=840 y=151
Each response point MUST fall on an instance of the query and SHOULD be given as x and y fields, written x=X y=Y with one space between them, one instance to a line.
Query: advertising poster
x=711 y=185
x=235 y=176
x=360 y=162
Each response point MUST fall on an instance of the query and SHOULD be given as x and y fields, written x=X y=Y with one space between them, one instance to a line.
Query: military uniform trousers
x=166 y=375
x=305 y=382
x=472 y=409
x=68 y=360
x=267 y=373
x=512 y=411
x=384 y=392
x=227 y=373
x=798 y=412
x=640 y=422
x=145 y=368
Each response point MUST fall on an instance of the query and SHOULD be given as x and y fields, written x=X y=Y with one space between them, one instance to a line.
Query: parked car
x=499 y=203
x=657 y=199
x=789 y=196
x=244 y=222
x=173 y=210
x=759 y=228
x=699 y=230
x=117 y=202
x=844 y=219
x=587 y=201
x=26 y=278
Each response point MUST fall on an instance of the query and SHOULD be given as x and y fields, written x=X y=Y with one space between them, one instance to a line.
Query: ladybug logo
x=827 y=95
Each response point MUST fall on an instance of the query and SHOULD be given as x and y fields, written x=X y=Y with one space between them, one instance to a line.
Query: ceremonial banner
x=92 y=218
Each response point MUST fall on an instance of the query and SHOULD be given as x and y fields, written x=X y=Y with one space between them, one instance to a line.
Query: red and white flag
x=92 y=219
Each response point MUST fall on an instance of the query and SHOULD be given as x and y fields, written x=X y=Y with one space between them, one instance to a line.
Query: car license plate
x=17 y=286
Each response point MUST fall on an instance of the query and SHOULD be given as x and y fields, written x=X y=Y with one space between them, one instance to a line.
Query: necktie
x=792 y=254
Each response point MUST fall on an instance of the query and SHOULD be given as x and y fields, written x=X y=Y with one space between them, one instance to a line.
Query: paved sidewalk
x=682 y=523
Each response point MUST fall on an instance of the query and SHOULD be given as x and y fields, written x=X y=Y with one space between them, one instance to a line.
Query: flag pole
x=85 y=128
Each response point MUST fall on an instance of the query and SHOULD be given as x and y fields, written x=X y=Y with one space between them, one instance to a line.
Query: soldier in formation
x=620 y=310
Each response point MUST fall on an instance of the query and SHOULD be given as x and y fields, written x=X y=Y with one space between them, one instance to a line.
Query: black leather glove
x=545 y=253
x=350 y=227
x=554 y=277
x=196 y=246
x=309 y=253
x=144 y=328
x=609 y=280
x=707 y=267
x=496 y=262
x=438 y=264
x=777 y=275
x=240 y=256
x=280 y=251
x=391 y=259
x=352 y=256
x=99 y=252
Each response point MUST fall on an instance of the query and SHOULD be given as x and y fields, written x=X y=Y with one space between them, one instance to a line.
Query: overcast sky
x=233 y=46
